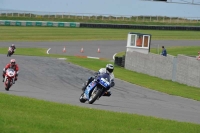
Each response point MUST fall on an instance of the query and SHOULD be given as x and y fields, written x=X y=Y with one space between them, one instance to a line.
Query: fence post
x=174 y=69
x=150 y=18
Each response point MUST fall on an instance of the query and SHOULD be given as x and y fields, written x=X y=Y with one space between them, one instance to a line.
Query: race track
x=59 y=81
x=107 y=48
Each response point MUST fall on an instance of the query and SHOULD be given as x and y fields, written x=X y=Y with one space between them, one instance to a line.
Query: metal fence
x=92 y=16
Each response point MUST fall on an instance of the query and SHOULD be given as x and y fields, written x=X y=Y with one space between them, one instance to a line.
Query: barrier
x=145 y=27
x=95 y=25
x=38 y=23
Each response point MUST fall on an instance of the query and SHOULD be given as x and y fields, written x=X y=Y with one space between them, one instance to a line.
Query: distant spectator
x=198 y=57
x=164 y=51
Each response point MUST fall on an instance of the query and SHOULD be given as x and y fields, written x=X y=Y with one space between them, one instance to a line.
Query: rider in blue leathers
x=109 y=69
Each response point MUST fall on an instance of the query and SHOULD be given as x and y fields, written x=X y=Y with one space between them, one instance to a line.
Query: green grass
x=14 y=33
x=28 y=115
x=173 y=50
x=140 y=21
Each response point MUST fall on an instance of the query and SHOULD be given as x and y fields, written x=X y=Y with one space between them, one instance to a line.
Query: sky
x=113 y=7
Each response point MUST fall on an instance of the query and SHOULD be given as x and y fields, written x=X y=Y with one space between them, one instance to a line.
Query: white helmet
x=13 y=44
x=110 y=68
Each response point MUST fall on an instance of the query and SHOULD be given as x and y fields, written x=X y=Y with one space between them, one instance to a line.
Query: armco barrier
x=38 y=23
x=147 y=27
x=95 y=25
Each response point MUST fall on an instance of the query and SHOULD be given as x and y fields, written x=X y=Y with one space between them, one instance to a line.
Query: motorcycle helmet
x=12 y=62
x=109 y=68
x=13 y=45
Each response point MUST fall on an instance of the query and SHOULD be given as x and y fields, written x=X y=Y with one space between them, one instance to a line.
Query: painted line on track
x=48 y=50
x=93 y=57
x=114 y=56
x=81 y=56
x=62 y=58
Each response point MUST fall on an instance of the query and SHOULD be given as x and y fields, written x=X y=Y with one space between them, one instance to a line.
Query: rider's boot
x=107 y=93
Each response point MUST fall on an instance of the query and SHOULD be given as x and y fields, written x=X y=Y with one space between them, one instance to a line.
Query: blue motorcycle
x=96 y=88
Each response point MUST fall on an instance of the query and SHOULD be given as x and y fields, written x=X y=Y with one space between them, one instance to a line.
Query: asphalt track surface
x=59 y=81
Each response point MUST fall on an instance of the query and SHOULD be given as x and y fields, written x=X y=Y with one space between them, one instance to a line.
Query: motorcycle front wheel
x=82 y=99
x=8 y=55
x=95 y=94
x=7 y=85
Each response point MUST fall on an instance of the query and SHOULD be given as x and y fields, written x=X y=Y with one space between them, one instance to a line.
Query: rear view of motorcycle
x=9 y=78
x=96 y=89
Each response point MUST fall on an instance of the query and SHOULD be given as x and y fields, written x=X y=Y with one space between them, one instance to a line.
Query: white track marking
x=93 y=57
x=114 y=56
x=48 y=50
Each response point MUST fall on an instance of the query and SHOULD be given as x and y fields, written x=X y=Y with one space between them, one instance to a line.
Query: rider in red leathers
x=12 y=65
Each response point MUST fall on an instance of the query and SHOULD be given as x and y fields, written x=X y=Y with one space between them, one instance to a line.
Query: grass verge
x=173 y=50
x=14 y=33
x=17 y=115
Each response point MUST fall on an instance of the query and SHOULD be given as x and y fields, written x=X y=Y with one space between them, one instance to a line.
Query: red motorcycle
x=9 y=77
x=10 y=52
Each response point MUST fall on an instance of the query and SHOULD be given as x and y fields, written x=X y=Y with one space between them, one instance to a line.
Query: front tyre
x=95 y=94
x=8 y=85
x=82 y=99
x=8 y=55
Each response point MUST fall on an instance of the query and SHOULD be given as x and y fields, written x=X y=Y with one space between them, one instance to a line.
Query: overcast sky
x=118 y=7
